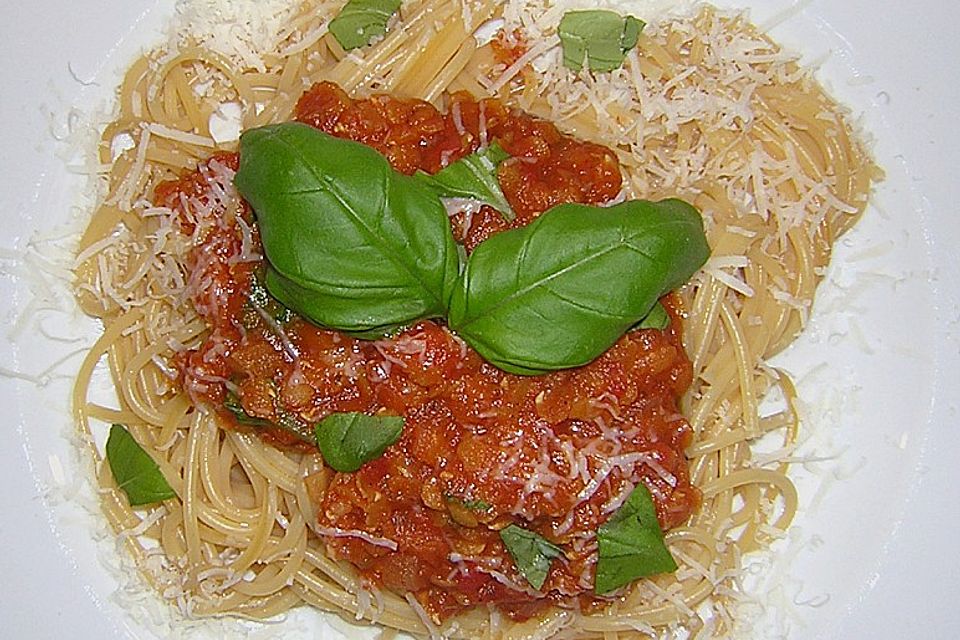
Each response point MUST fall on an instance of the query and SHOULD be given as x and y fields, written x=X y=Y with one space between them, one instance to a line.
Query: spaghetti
x=705 y=108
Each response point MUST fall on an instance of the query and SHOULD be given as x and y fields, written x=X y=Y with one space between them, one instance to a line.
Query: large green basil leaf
x=351 y=243
x=630 y=544
x=560 y=291
x=602 y=37
x=136 y=473
x=360 y=21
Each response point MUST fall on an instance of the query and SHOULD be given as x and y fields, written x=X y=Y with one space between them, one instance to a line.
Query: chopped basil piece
x=295 y=425
x=631 y=544
x=474 y=504
x=602 y=37
x=349 y=440
x=258 y=297
x=531 y=552
x=232 y=404
x=360 y=21
x=287 y=421
x=658 y=318
x=477 y=505
x=136 y=473
x=473 y=177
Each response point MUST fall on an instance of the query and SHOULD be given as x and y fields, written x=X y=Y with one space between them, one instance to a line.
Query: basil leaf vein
x=136 y=473
x=560 y=291
x=349 y=440
x=351 y=243
x=473 y=177
x=360 y=21
x=631 y=544
x=601 y=37
x=531 y=552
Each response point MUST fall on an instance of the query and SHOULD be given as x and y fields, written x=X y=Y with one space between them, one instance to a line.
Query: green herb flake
x=560 y=291
x=474 y=504
x=257 y=297
x=658 y=318
x=531 y=552
x=478 y=505
x=350 y=440
x=136 y=473
x=259 y=302
x=631 y=544
x=601 y=37
x=360 y=21
x=287 y=421
x=291 y=422
x=473 y=177
x=232 y=404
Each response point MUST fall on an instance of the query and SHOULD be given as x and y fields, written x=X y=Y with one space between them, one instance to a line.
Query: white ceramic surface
x=873 y=554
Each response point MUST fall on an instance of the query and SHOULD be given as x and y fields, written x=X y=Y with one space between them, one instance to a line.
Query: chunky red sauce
x=508 y=47
x=480 y=448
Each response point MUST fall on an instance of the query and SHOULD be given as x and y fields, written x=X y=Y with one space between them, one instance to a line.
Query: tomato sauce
x=508 y=47
x=547 y=168
x=480 y=449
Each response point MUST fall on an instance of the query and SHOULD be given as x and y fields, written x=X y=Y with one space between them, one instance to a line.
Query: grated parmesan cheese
x=240 y=29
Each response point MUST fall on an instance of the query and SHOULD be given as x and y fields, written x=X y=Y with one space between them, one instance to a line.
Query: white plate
x=872 y=556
